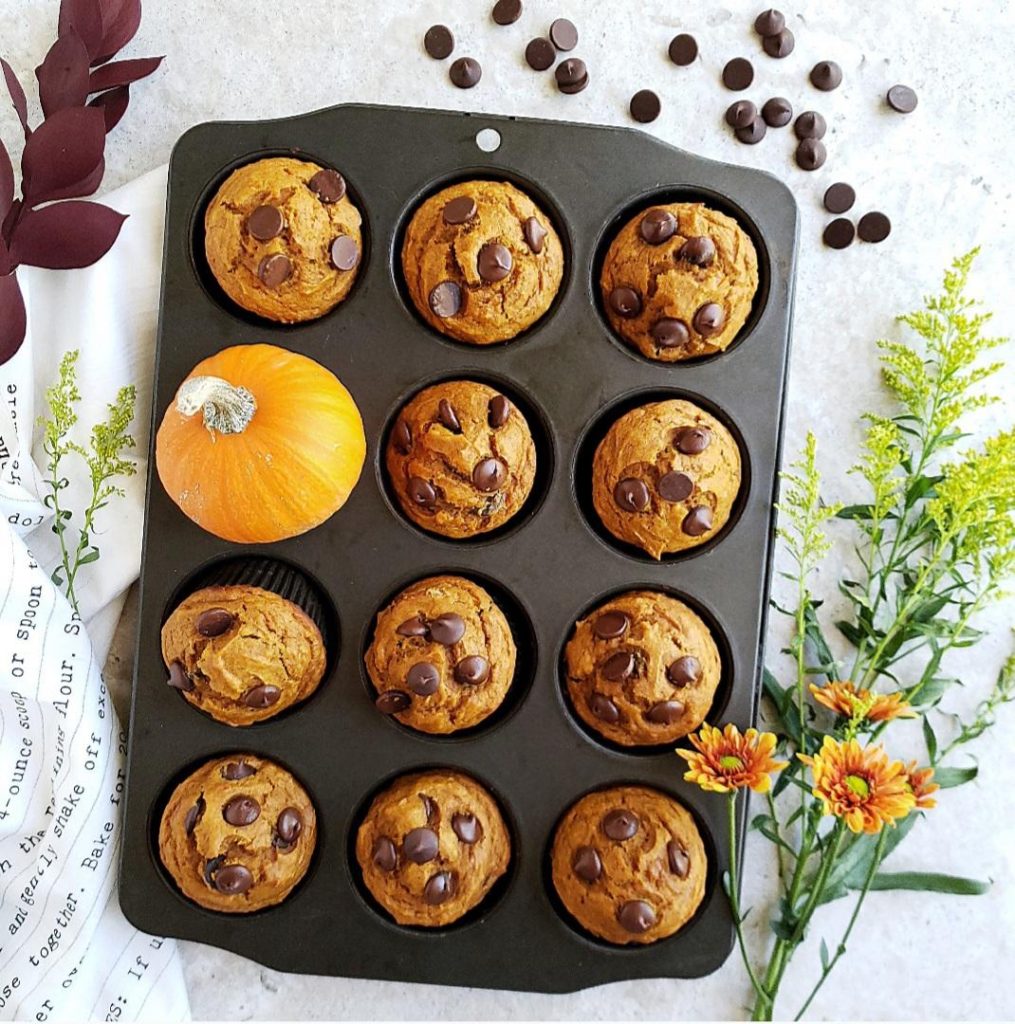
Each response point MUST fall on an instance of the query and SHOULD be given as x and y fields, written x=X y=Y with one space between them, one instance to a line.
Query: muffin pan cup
x=537 y=760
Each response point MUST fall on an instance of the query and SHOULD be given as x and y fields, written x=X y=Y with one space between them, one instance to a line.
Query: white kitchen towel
x=66 y=950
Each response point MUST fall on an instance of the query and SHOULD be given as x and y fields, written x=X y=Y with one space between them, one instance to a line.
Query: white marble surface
x=942 y=174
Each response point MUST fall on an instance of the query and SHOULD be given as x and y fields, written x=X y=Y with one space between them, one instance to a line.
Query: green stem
x=58 y=526
x=827 y=860
x=778 y=835
x=734 y=895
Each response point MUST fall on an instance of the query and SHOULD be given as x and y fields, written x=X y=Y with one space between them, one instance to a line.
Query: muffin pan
x=568 y=372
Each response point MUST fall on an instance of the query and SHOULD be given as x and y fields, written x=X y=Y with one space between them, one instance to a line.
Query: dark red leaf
x=122 y=72
x=85 y=187
x=113 y=104
x=6 y=264
x=65 y=150
x=6 y=182
x=17 y=96
x=12 y=317
x=85 y=17
x=120 y=22
x=65 y=236
x=12 y=216
x=63 y=75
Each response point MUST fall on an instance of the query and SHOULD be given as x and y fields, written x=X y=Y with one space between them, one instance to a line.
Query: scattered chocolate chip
x=472 y=671
x=587 y=864
x=534 y=234
x=826 y=75
x=611 y=625
x=489 y=475
x=429 y=808
x=632 y=495
x=620 y=824
x=540 y=54
x=466 y=827
x=675 y=486
x=741 y=113
x=839 y=197
x=679 y=861
x=498 y=412
x=459 y=210
x=709 y=319
x=769 y=22
x=448 y=418
x=692 y=440
x=779 y=44
x=618 y=666
x=777 y=112
x=420 y=845
x=494 y=262
x=328 y=185
x=753 y=133
x=416 y=626
x=645 y=106
x=563 y=34
x=465 y=72
x=233 y=879
x=266 y=223
x=657 y=226
x=666 y=712
x=261 y=696
x=401 y=437
x=738 y=74
x=683 y=49
x=874 y=227
x=289 y=826
x=572 y=75
x=384 y=854
x=811 y=154
x=698 y=250
x=214 y=622
x=625 y=302
x=344 y=252
x=421 y=492
x=193 y=816
x=810 y=125
x=507 y=12
x=684 y=671
x=274 y=270
x=391 y=702
x=445 y=299
x=902 y=99
x=178 y=678
x=698 y=521
x=839 y=233
x=447 y=629
x=438 y=42
x=423 y=679
x=604 y=708
x=439 y=888
x=210 y=867
x=241 y=810
x=668 y=332
x=635 y=916
x=236 y=770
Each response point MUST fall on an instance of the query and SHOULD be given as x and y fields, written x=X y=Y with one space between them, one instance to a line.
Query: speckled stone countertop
x=943 y=175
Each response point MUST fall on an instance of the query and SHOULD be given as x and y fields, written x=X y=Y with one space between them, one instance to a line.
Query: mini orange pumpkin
x=260 y=444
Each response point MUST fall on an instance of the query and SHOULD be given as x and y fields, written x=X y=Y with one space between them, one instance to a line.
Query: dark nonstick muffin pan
x=546 y=567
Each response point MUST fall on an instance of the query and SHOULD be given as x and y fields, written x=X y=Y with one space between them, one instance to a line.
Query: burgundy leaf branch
x=83 y=93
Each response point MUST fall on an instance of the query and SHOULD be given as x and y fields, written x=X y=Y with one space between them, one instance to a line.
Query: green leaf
x=782 y=929
x=855 y=512
x=824 y=955
x=816 y=636
x=929 y=881
x=929 y=738
x=948 y=778
x=921 y=487
x=931 y=691
x=90 y=556
x=854 y=862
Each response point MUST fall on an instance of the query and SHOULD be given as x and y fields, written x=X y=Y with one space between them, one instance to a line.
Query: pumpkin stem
x=227 y=408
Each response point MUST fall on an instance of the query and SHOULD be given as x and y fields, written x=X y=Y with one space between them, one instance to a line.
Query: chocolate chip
x=902 y=99
x=472 y=671
x=459 y=210
x=494 y=262
x=423 y=679
x=466 y=827
x=769 y=22
x=810 y=125
x=534 y=234
x=563 y=34
x=241 y=810
x=779 y=44
x=498 y=411
x=645 y=106
x=632 y=495
x=738 y=74
x=625 y=302
x=438 y=42
x=839 y=233
x=620 y=824
x=777 y=112
x=679 y=861
x=692 y=440
x=698 y=250
x=178 y=678
x=328 y=184
x=420 y=845
x=684 y=671
x=448 y=418
x=445 y=299
x=611 y=625
x=261 y=696
x=236 y=770
x=572 y=76
x=507 y=12
x=839 y=197
x=657 y=226
x=344 y=252
x=429 y=808
x=683 y=49
x=668 y=332
x=874 y=227
x=233 y=879
x=421 y=493
x=214 y=622
x=604 y=708
x=636 y=916
x=447 y=629
x=416 y=626
x=675 y=486
x=709 y=319
x=266 y=223
x=587 y=864
x=401 y=437
x=193 y=816
x=826 y=75
x=465 y=73
x=289 y=825
x=540 y=54
x=489 y=475
x=618 y=666
x=210 y=867
x=666 y=712
x=274 y=270
x=698 y=521
x=391 y=702
x=753 y=133
x=384 y=854
x=439 y=888
x=811 y=154
x=740 y=113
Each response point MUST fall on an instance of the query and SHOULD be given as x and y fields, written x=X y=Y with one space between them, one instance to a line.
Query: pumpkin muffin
x=665 y=477
x=242 y=653
x=481 y=261
x=642 y=669
x=283 y=240
x=442 y=656
x=461 y=459
x=238 y=834
x=431 y=846
x=678 y=281
x=629 y=864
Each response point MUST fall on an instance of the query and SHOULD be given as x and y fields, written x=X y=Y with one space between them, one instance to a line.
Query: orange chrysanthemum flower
x=921 y=786
x=860 y=785
x=845 y=699
x=726 y=760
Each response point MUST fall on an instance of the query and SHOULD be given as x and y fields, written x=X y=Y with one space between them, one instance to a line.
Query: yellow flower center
x=858 y=785
x=731 y=763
